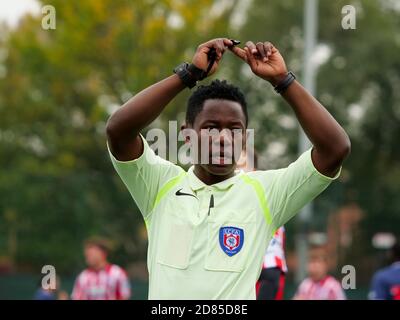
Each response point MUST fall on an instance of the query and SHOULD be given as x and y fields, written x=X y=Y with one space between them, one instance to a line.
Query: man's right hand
x=200 y=59
x=124 y=125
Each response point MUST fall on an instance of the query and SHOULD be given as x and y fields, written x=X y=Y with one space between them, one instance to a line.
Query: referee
x=209 y=227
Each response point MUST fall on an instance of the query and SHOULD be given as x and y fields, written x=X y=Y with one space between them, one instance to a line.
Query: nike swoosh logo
x=179 y=193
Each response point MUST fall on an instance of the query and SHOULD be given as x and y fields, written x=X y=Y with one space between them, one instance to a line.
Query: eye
x=211 y=127
x=237 y=130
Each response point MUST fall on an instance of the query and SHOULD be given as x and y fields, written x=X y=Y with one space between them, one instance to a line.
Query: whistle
x=212 y=55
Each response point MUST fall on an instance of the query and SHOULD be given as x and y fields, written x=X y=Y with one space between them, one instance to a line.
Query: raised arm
x=124 y=125
x=330 y=141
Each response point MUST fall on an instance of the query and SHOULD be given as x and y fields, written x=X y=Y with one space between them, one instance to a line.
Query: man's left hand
x=264 y=60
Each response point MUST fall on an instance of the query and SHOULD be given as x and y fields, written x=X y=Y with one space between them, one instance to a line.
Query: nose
x=223 y=142
x=225 y=137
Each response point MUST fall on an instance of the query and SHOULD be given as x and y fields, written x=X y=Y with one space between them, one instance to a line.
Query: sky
x=12 y=10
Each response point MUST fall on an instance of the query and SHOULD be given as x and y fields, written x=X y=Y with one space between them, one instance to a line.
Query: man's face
x=317 y=268
x=94 y=256
x=227 y=119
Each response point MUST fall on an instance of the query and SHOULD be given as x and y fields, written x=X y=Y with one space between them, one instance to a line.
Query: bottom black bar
x=199 y=309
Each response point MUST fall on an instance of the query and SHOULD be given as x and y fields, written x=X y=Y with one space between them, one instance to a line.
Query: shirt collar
x=197 y=184
x=106 y=268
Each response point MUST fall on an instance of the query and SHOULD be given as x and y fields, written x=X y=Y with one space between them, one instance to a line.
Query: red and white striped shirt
x=326 y=289
x=275 y=254
x=110 y=283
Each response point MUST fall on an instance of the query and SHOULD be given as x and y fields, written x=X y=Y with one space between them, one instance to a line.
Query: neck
x=318 y=279
x=209 y=178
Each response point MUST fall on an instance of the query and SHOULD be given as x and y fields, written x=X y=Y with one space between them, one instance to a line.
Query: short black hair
x=217 y=89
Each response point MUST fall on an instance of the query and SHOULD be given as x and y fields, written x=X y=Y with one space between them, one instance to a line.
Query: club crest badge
x=231 y=240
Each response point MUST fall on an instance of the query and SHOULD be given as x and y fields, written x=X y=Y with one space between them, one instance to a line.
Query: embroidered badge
x=231 y=240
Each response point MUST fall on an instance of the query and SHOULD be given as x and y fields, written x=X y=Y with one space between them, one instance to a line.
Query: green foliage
x=57 y=185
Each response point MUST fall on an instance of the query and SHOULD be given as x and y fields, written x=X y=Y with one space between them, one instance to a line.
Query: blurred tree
x=59 y=86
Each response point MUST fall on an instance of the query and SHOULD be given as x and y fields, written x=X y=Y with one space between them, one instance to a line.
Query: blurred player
x=50 y=294
x=386 y=282
x=271 y=284
x=101 y=280
x=319 y=285
x=44 y=294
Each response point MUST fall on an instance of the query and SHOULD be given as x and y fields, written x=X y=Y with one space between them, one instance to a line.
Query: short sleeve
x=145 y=176
x=336 y=292
x=78 y=292
x=301 y=292
x=123 y=286
x=290 y=189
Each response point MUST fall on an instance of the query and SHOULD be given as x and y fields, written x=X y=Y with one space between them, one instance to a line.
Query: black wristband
x=185 y=75
x=285 y=83
x=197 y=73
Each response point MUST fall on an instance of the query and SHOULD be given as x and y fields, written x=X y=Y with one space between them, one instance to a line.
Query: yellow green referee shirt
x=208 y=241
